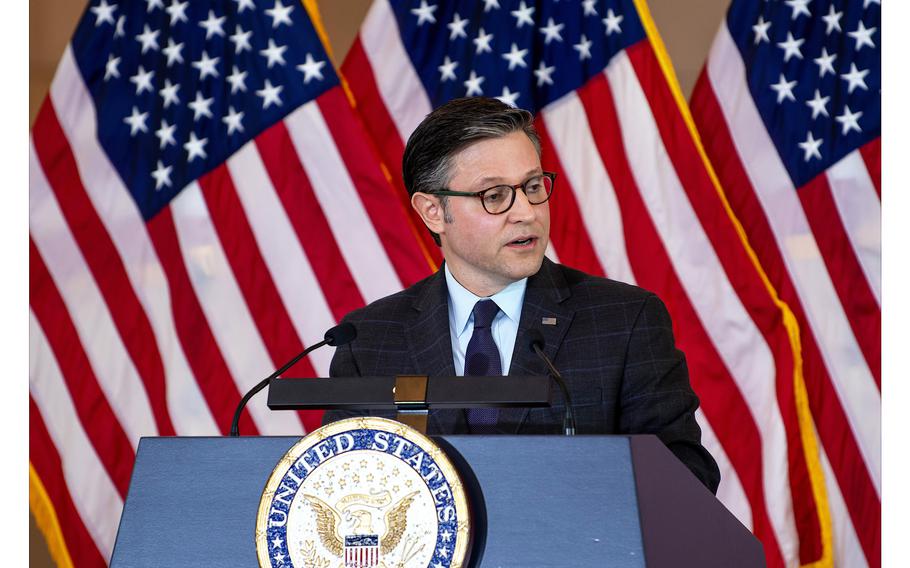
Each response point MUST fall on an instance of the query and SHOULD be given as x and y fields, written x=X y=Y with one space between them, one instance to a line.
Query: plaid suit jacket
x=612 y=342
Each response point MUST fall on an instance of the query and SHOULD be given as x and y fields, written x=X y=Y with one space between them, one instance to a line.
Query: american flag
x=204 y=203
x=789 y=106
x=638 y=202
x=361 y=551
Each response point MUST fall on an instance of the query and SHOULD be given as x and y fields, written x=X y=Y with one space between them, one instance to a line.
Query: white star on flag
x=280 y=14
x=832 y=20
x=457 y=26
x=237 y=79
x=118 y=29
x=508 y=97
x=104 y=12
x=173 y=52
x=169 y=93
x=544 y=74
x=583 y=48
x=849 y=120
x=148 y=38
x=241 y=40
x=490 y=4
x=110 y=68
x=165 y=134
x=233 y=120
x=447 y=69
x=311 y=69
x=152 y=4
x=810 y=148
x=863 y=36
x=473 y=84
x=551 y=31
x=817 y=104
x=761 y=30
x=213 y=25
x=523 y=15
x=270 y=94
x=142 y=79
x=515 y=57
x=482 y=41
x=825 y=62
x=612 y=22
x=206 y=66
x=784 y=89
x=244 y=4
x=136 y=120
x=791 y=47
x=424 y=13
x=177 y=11
x=274 y=53
x=195 y=147
x=799 y=7
x=589 y=8
x=201 y=106
x=162 y=175
x=855 y=78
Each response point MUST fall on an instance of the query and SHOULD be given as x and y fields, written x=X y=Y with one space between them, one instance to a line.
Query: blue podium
x=538 y=501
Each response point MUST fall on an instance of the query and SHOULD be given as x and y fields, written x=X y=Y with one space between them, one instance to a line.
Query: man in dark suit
x=472 y=168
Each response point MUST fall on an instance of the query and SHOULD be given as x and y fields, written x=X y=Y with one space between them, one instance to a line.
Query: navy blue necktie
x=482 y=360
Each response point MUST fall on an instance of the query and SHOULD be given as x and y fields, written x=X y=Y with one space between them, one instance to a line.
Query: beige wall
x=687 y=28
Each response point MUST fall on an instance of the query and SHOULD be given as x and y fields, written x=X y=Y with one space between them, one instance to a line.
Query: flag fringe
x=313 y=12
x=804 y=413
x=46 y=519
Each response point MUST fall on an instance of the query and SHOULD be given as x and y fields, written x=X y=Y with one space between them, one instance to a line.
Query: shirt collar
x=462 y=300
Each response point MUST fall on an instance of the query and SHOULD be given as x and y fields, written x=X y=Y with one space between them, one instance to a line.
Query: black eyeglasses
x=500 y=198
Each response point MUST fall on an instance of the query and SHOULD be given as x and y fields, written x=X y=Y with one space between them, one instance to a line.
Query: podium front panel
x=548 y=500
x=193 y=501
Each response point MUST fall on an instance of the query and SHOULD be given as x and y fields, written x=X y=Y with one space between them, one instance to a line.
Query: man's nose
x=521 y=210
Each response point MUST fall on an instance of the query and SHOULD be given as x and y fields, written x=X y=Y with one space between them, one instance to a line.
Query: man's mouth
x=523 y=242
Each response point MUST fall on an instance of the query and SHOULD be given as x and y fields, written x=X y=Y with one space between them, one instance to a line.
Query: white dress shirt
x=505 y=324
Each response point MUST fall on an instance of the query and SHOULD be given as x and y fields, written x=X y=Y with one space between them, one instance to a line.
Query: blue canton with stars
x=814 y=71
x=179 y=86
x=525 y=53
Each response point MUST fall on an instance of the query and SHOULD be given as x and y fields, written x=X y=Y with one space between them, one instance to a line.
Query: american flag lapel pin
x=548 y=321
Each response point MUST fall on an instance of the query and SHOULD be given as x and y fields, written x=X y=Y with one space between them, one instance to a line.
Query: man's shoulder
x=585 y=287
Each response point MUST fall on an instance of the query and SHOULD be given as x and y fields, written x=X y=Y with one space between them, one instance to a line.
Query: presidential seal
x=363 y=493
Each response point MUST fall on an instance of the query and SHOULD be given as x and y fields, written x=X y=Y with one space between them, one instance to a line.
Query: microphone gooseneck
x=536 y=344
x=341 y=334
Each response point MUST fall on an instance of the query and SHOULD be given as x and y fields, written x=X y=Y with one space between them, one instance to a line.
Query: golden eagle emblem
x=359 y=515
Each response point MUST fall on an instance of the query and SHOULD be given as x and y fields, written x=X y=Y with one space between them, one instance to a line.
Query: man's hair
x=427 y=162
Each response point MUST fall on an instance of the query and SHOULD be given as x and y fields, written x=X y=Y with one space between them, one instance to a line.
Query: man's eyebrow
x=500 y=179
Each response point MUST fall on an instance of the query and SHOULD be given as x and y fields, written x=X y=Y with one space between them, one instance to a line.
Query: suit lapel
x=430 y=344
x=544 y=309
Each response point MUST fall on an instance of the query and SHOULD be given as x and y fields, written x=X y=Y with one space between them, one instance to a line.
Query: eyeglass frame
x=479 y=194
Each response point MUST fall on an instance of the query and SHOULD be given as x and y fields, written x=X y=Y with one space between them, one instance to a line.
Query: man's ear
x=430 y=210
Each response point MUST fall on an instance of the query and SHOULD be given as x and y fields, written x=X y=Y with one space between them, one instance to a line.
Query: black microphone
x=341 y=334
x=536 y=343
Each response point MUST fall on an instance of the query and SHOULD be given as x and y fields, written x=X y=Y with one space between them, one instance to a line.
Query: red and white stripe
x=821 y=246
x=157 y=328
x=361 y=556
x=636 y=203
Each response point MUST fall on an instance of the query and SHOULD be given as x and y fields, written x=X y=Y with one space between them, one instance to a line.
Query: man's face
x=488 y=252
